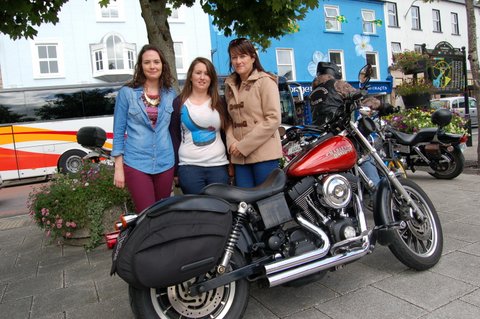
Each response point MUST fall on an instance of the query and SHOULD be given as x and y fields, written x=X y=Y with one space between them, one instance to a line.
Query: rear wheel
x=418 y=244
x=71 y=161
x=229 y=301
x=450 y=165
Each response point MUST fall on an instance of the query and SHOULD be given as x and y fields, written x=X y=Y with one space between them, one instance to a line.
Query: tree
x=472 y=57
x=259 y=20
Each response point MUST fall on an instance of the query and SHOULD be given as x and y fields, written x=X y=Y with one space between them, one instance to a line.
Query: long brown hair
x=217 y=102
x=166 y=79
x=243 y=46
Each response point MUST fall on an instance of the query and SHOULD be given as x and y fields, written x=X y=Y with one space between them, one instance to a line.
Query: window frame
x=333 y=20
x=368 y=23
x=399 y=47
x=342 y=60
x=376 y=66
x=455 y=23
x=437 y=21
x=128 y=51
x=182 y=56
x=36 y=59
x=118 y=4
x=417 y=48
x=180 y=14
x=416 y=21
x=291 y=64
x=392 y=14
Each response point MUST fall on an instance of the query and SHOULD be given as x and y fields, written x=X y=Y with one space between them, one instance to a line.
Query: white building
x=91 y=44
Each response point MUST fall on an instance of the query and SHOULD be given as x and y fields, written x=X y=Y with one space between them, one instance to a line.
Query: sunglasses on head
x=237 y=41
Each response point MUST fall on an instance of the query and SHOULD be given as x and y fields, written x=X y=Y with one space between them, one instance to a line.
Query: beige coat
x=256 y=116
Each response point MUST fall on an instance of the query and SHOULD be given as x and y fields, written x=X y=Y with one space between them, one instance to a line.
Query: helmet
x=329 y=68
x=441 y=117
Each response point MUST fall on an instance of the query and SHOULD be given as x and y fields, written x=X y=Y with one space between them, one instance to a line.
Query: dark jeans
x=193 y=179
x=251 y=175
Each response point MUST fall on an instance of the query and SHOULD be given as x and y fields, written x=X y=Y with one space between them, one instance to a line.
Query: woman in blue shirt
x=142 y=143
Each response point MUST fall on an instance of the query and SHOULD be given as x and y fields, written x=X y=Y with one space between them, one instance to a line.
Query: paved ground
x=42 y=280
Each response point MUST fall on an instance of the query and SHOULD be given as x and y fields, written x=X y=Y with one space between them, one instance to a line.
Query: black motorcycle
x=441 y=153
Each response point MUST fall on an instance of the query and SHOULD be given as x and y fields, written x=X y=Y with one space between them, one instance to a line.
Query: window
x=437 y=23
x=179 y=56
x=417 y=48
x=336 y=57
x=415 y=12
x=177 y=15
x=368 y=22
x=112 y=56
x=47 y=59
x=372 y=59
x=285 y=63
x=392 y=14
x=396 y=47
x=331 y=22
x=113 y=12
x=455 y=28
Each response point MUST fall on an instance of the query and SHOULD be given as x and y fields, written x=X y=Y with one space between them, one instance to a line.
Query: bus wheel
x=71 y=161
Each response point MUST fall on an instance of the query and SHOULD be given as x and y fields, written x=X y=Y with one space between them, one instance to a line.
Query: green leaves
x=19 y=17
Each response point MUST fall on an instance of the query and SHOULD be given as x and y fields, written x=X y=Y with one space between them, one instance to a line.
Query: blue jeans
x=251 y=175
x=371 y=170
x=193 y=179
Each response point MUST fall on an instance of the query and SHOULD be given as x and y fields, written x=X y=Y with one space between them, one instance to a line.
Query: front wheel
x=450 y=165
x=418 y=245
x=229 y=301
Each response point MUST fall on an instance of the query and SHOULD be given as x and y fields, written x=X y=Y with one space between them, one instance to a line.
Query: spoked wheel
x=418 y=245
x=229 y=301
x=450 y=165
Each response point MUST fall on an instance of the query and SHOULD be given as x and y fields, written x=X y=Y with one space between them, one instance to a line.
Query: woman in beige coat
x=253 y=103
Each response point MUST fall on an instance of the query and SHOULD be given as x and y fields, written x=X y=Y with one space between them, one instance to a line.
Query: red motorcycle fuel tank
x=333 y=155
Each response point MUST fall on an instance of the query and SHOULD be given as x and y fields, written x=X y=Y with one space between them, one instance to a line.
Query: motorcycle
x=195 y=256
x=439 y=152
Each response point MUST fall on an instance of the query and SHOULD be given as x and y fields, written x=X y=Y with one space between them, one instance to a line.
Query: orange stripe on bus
x=26 y=160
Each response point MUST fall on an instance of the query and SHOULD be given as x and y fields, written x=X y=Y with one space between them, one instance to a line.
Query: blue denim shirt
x=145 y=148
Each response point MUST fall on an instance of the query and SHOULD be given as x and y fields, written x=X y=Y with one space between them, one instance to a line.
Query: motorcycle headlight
x=336 y=191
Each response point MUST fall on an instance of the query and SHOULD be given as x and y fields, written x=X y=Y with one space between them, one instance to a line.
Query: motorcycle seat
x=274 y=184
x=424 y=135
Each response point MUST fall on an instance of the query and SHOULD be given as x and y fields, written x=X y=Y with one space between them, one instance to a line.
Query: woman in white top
x=201 y=112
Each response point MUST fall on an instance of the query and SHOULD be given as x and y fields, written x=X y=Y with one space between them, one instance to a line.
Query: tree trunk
x=155 y=15
x=473 y=59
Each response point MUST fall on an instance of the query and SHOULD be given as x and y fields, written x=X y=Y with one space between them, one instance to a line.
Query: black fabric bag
x=173 y=241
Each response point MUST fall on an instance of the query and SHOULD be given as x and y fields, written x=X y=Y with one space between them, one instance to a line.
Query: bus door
x=8 y=157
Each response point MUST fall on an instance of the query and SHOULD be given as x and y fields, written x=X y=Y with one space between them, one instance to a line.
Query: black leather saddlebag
x=173 y=241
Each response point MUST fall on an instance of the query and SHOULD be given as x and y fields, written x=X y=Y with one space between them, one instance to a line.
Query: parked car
x=457 y=104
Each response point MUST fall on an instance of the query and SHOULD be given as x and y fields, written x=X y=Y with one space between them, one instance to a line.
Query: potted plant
x=85 y=202
x=412 y=120
x=415 y=92
x=410 y=62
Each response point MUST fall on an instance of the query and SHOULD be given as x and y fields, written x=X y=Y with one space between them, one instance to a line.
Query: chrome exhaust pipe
x=304 y=258
x=317 y=266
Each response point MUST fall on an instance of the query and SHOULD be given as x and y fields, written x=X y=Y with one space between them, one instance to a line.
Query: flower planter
x=416 y=100
x=81 y=237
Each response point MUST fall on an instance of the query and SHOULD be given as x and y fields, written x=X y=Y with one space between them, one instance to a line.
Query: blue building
x=347 y=32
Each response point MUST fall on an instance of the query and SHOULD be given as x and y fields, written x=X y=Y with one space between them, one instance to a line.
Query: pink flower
x=48 y=222
x=73 y=224
x=67 y=224
x=59 y=226
x=68 y=234
x=48 y=233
